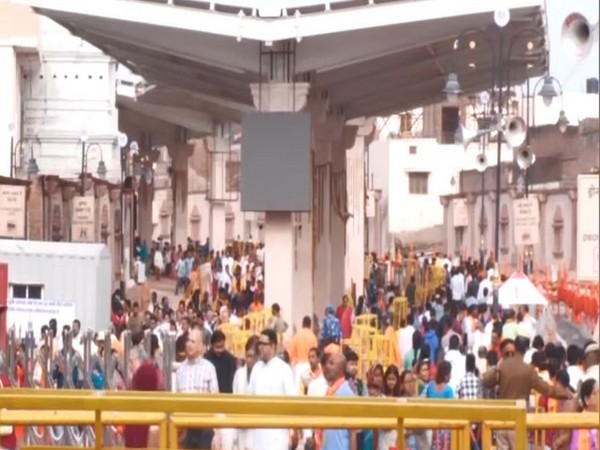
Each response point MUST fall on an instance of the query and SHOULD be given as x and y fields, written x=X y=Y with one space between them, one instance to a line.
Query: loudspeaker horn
x=577 y=35
x=525 y=158
x=481 y=162
x=515 y=131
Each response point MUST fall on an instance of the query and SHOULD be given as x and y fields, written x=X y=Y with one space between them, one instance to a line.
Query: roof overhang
x=168 y=14
x=371 y=59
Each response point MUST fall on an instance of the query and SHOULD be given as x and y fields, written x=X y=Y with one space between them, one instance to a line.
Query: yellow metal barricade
x=400 y=310
x=50 y=416
x=92 y=408
x=461 y=434
x=381 y=350
x=239 y=340
x=398 y=410
x=367 y=320
x=255 y=322
x=362 y=338
x=541 y=421
x=229 y=330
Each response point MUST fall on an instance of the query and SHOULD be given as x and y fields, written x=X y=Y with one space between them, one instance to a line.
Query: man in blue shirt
x=334 y=373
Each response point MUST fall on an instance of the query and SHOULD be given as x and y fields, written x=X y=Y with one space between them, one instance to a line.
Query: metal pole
x=498 y=156
x=527 y=119
x=498 y=176
x=12 y=156
x=83 y=168
x=122 y=280
x=481 y=221
x=366 y=193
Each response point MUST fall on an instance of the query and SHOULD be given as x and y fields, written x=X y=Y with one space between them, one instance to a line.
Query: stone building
x=551 y=180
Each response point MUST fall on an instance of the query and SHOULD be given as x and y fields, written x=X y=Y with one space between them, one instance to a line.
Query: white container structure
x=60 y=280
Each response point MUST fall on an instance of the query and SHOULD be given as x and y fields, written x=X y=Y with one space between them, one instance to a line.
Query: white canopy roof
x=519 y=290
x=369 y=57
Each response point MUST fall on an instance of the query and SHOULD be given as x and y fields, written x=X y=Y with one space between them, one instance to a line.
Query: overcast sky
x=572 y=74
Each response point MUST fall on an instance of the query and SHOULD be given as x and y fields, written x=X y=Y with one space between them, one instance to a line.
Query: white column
x=338 y=211
x=179 y=154
x=9 y=106
x=288 y=253
x=355 y=182
x=218 y=149
x=217 y=226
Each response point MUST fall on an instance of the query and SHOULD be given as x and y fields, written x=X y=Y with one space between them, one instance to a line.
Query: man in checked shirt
x=197 y=375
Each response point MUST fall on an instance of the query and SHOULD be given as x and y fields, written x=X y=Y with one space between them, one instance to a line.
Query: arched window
x=558 y=233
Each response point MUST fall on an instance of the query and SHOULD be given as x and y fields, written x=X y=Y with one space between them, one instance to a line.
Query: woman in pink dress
x=588 y=401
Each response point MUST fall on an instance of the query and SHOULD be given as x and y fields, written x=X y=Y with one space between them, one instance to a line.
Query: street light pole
x=499 y=150
x=83 y=164
x=481 y=222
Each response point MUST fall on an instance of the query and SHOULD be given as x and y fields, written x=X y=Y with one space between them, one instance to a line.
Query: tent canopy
x=519 y=290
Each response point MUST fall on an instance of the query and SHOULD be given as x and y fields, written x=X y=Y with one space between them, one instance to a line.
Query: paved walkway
x=570 y=332
x=573 y=333
x=165 y=288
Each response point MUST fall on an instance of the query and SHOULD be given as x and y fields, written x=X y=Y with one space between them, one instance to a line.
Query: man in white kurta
x=270 y=376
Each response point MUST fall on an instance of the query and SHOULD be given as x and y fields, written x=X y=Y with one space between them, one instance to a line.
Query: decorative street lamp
x=548 y=90
x=85 y=150
x=452 y=88
x=32 y=167
x=563 y=122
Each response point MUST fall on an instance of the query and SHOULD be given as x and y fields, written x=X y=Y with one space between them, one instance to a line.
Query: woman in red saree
x=145 y=378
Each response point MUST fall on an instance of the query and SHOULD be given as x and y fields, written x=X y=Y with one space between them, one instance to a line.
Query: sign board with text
x=588 y=223
x=12 y=211
x=23 y=313
x=526 y=220
x=461 y=213
x=83 y=226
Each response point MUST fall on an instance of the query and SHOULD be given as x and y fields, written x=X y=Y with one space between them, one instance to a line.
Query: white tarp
x=519 y=290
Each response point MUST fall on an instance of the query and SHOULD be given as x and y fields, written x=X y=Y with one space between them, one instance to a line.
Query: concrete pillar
x=288 y=273
x=9 y=106
x=127 y=212
x=145 y=197
x=35 y=211
x=144 y=222
x=179 y=154
x=355 y=185
x=338 y=216
x=218 y=150
x=332 y=138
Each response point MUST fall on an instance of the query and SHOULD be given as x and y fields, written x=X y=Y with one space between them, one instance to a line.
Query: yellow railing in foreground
x=461 y=429
x=397 y=410
x=542 y=421
x=98 y=408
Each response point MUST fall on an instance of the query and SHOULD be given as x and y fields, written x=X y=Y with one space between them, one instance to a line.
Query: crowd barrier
x=102 y=408
x=397 y=413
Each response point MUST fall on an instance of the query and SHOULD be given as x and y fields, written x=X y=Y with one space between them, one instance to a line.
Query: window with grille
x=31 y=291
x=418 y=182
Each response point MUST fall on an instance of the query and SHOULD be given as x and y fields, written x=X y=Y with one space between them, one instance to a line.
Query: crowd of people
x=452 y=345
